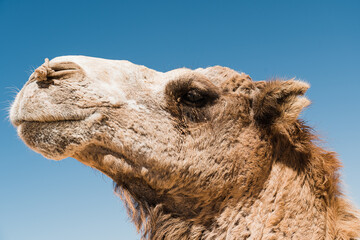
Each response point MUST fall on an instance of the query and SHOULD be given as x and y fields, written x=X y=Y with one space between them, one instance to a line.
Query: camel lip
x=52 y=119
x=19 y=118
x=17 y=123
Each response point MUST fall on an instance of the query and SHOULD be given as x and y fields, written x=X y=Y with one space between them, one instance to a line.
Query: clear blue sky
x=317 y=41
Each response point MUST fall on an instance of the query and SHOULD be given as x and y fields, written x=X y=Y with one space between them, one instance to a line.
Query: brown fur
x=209 y=154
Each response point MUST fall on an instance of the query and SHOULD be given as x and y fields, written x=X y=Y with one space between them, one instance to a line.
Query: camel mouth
x=19 y=122
x=91 y=116
x=42 y=119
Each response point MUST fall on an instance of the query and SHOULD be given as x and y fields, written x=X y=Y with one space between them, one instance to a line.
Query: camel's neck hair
x=300 y=199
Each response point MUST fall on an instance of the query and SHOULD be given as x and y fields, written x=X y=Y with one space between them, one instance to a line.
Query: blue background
x=316 y=41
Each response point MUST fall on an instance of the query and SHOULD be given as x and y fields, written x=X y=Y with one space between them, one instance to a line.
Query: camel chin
x=57 y=139
x=48 y=138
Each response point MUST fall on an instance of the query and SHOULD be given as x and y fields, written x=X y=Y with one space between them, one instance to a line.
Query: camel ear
x=279 y=102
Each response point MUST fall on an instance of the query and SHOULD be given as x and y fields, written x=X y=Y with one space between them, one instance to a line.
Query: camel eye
x=193 y=97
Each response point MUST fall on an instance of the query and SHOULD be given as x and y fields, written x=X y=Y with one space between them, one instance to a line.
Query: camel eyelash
x=194 y=98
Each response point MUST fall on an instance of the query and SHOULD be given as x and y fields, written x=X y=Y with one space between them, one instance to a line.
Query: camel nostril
x=62 y=74
x=64 y=70
x=55 y=70
x=62 y=66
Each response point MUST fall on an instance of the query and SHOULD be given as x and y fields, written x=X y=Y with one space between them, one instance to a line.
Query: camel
x=195 y=154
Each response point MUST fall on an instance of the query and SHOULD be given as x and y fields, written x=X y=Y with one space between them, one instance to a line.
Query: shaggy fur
x=194 y=154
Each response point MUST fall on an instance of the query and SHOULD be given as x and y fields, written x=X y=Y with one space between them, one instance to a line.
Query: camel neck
x=287 y=208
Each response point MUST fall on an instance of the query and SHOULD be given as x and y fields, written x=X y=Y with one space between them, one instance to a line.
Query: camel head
x=190 y=141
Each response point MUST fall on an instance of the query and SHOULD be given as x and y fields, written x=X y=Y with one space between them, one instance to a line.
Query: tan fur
x=195 y=154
